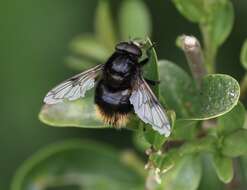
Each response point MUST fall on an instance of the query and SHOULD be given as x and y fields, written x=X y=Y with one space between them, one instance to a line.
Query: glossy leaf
x=243 y=57
x=134 y=19
x=79 y=113
x=193 y=10
x=235 y=144
x=89 y=47
x=84 y=164
x=218 y=95
x=105 y=32
x=151 y=72
x=185 y=175
x=224 y=167
x=232 y=120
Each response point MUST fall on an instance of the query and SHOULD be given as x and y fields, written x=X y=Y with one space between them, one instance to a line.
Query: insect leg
x=150 y=48
x=152 y=82
x=144 y=62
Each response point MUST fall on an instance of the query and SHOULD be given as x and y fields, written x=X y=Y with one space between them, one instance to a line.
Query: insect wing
x=74 y=87
x=148 y=108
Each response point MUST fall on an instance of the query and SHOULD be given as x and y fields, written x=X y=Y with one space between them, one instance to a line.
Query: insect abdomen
x=113 y=106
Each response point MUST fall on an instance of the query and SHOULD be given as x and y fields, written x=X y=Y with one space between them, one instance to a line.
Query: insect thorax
x=119 y=70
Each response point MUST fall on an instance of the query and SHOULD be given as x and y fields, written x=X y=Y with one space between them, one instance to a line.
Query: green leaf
x=232 y=120
x=177 y=149
x=140 y=141
x=224 y=167
x=219 y=21
x=151 y=72
x=80 y=64
x=104 y=25
x=79 y=113
x=132 y=160
x=167 y=160
x=154 y=138
x=218 y=95
x=243 y=165
x=84 y=164
x=193 y=10
x=176 y=88
x=89 y=47
x=184 y=129
x=134 y=19
x=243 y=56
x=206 y=144
x=209 y=179
x=235 y=144
x=185 y=175
x=215 y=17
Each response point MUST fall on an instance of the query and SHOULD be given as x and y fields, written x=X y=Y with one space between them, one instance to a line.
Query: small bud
x=159 y=152
x=149 y=151
x=157 y=175
x=147 y=166
x=190 y=43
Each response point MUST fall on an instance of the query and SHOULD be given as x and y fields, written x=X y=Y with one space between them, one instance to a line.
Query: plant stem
x=195 y=59
x=210 y=55
x=153 y=180
x=243 y=87
x=210 y=52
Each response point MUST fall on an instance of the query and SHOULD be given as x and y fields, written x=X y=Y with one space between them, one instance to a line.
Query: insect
x=120 y=89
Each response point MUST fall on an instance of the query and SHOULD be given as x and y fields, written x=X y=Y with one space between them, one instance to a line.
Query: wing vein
x=74 y=87
x=148 y=108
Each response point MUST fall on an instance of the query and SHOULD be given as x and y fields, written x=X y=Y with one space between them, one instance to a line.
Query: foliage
x=206 y=115
x=83 y=164
x=215 y=20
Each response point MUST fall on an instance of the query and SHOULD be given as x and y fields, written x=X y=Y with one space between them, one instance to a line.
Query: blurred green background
x=34 y=38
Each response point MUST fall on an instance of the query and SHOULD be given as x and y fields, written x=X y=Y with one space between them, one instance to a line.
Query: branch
x=193 y=52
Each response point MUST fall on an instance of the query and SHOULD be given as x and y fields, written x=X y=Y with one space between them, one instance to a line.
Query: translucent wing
x=148 y=108
x=74 y=87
